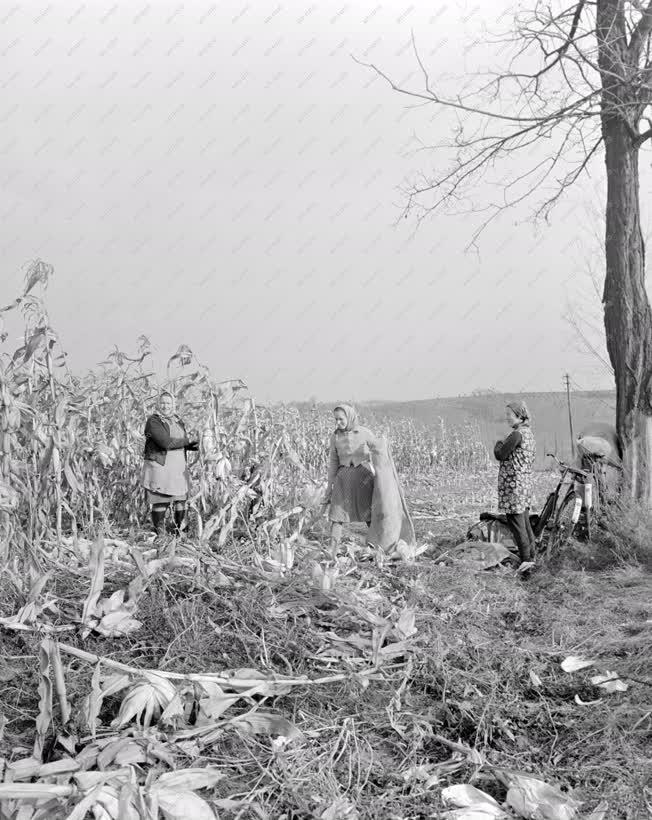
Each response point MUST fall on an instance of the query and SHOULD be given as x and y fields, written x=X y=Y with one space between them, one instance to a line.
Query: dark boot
x=519 y=527
x=158 y=520
x=179 y=517
x=531 y=535
x=336 y=537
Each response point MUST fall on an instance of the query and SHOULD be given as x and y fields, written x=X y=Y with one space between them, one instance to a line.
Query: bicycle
x=565 y=508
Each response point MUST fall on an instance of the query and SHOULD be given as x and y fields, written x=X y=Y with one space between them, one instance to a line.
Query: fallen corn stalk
x=221 y=680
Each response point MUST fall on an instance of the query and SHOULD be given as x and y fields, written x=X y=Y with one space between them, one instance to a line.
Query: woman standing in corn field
x=354 y=494
x=516 y=455
x=165 y=471
x=350 y=474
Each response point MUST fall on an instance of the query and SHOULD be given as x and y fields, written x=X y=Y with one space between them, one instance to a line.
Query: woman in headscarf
x=516 y=455
x=363 y=485
x=165 y=470
x=350 y=474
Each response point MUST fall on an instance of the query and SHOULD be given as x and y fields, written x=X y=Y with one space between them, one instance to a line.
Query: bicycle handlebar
x=562 y=465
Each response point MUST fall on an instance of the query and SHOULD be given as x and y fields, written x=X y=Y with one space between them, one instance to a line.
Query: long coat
x=515 y=474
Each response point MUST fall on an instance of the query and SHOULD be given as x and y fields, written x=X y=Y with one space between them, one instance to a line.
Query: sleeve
x=333 y=466
x=193 y=444
x=504 y=449
x=160 y=436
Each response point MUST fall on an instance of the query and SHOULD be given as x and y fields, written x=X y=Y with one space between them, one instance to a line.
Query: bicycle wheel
x=565 y=520
x=544 y=526
x=545 y=515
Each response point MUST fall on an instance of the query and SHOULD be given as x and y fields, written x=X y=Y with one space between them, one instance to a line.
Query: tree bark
x=627 y=314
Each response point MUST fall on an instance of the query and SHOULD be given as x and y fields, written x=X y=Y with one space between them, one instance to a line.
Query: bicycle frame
x=547 y=517
x=551 y=504
x=552 y=508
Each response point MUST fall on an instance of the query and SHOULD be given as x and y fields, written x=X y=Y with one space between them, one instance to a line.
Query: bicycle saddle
x=487 y=516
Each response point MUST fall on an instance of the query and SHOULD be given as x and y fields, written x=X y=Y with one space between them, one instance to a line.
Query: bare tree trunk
x=627 y=314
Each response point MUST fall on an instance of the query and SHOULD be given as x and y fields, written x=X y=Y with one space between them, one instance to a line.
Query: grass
x=371 y=741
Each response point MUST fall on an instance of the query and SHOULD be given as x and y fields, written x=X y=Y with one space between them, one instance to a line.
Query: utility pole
x=570 y=414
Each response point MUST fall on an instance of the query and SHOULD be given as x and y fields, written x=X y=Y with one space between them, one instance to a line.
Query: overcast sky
x=224 y=175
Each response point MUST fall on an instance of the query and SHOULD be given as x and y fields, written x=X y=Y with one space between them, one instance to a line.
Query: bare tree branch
x=485 y=149
x=576 y=324
x=641 y=33
x=564 y=40
x=644 y=137
x=563 y=48
x=430 y=96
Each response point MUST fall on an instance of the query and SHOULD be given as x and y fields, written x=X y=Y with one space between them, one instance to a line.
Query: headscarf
x=174 y=405
x=351 y=416
x=519 y=408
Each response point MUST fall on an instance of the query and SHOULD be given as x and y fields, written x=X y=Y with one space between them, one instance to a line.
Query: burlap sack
x=390 y=518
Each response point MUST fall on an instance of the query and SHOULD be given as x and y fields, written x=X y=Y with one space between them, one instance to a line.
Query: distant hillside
x=549 y=415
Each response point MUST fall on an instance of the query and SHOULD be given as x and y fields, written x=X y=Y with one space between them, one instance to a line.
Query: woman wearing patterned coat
x=516 y=455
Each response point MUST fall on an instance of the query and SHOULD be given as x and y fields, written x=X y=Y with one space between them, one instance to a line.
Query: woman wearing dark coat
x=165 y=469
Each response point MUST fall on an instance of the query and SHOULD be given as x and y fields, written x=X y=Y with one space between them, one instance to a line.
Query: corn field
x=243 y=672
x=71 y=447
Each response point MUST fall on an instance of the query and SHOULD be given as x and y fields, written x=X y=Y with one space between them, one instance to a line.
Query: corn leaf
x=180 y=805
x=97 y=583
x=144 y=700
x=264 y=723
x=44 y=718
x=536 y=800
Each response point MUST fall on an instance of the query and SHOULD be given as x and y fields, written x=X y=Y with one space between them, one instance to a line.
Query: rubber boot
x=158 y=520
x=336 y=538
x=179 y=517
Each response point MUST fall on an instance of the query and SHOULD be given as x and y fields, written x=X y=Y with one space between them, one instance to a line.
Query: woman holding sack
x=363 y=486
x=165 y=469
x=516 y=455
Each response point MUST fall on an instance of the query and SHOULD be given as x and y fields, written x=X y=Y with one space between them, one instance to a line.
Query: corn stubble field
x=237 y=673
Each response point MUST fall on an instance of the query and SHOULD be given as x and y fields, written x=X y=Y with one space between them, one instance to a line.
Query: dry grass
x=625 y=536
x=372 y=736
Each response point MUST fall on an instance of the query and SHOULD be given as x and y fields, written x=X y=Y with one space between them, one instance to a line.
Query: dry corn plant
x=71 y=448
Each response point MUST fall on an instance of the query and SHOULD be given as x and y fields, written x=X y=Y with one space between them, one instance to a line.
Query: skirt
x=159 y=498
x=353 y=490
x=169 y=479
